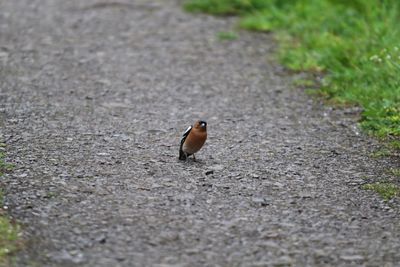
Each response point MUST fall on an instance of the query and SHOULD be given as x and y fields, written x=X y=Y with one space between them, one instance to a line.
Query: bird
x=193 y=139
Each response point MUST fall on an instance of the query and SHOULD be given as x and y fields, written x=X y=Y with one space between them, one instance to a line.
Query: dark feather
x=183 y=155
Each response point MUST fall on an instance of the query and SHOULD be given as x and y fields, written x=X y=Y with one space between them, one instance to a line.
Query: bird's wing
x=185 y=134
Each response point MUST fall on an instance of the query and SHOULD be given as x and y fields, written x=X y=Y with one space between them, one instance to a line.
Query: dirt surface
x=94 y=98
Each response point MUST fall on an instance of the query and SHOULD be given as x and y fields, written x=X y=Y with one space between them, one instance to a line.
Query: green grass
x=4 y=167
x=395 y=172
x=395 y=145
x=305 y=83
x=389 y=149
x=386 y=190
x=355 y=44
x=216 y=7
x=9 y=235
x=228 y=36
x=381 y=153
x=9 y=232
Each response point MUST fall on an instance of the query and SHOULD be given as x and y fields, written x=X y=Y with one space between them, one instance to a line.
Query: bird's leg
x=194 y=158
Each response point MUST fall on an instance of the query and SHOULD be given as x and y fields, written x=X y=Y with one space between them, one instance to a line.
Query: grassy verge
x=354 y=44
x=386 y=190
x=227 y=36
x=9 y=231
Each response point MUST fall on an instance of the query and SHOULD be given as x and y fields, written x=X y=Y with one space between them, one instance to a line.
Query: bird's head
x=201 y=125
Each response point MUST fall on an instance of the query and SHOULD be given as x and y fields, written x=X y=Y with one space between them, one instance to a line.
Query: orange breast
x=194 y=141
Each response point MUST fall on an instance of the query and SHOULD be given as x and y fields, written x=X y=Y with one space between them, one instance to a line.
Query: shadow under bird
x=193 y=140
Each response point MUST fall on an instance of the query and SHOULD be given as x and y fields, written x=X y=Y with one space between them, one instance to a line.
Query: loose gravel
x=94 y=97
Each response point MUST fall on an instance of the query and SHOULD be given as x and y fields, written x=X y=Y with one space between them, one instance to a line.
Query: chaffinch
x=193 y=139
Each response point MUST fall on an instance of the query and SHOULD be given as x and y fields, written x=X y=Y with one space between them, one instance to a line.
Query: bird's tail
x=182 y=155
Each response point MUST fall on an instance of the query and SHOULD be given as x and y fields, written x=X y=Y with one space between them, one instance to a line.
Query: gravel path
x=94 y=98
